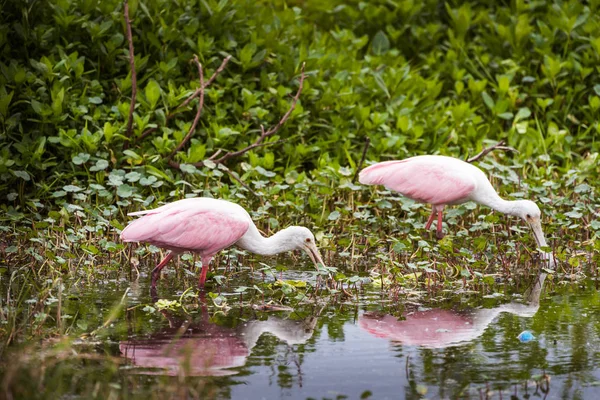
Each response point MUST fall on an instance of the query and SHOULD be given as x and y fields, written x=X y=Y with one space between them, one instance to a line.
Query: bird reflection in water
x=438 y=328
x=203 y=348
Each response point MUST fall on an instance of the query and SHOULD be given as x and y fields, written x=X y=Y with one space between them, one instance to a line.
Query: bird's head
x=527 y=210
x=531 y=214
x=303 y=239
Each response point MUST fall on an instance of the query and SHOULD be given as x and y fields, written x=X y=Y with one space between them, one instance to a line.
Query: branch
x=362 y=159
x=187 y=101
x=200 y=90
x=264 y=134
x=241 y=182
x=498 y=146
x=198 y=113
x=133 y=74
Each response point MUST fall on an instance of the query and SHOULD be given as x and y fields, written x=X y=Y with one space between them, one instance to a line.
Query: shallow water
x=372 y=348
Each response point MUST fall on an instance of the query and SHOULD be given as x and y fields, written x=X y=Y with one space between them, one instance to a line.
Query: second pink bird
x=442 y=181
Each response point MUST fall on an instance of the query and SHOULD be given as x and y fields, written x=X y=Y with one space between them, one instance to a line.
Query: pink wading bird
x=443 y=181
x=207 y=226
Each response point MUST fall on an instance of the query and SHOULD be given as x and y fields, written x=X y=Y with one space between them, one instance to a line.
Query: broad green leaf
x=80 y=158
x=489 y=102
x=380 y=44
x=124 y=191
x=152 y=93
x=22 y=174
x=188 y=168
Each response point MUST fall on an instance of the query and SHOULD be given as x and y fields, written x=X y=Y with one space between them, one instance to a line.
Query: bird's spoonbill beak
x=538 y=234
x=313 y=253
x=536 y=227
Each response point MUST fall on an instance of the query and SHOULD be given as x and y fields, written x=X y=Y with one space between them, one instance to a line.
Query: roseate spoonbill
x=207 y=226
x=442 y=181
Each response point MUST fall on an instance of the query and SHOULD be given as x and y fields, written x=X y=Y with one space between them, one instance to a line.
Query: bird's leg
x=205 y=264
x=439 y=233
x=159 y=267
x=430 y=220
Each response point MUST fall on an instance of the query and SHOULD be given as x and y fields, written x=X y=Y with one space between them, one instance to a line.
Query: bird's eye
x=307 y=240
x=528 y=216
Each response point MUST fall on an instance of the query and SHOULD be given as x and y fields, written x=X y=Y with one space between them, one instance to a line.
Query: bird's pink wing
x=422 y=180
x=201 y=229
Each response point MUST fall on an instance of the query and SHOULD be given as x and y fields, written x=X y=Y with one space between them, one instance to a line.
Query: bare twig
x=498 y=146
x=200 y=90
x=198 y=113
x=187 y=101
x=240 y=181
x=264 y=134
x=133 y=74
x=257 y=143
x=362 y=159
x=149 y=131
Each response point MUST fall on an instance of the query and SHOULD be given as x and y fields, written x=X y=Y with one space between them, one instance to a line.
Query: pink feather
x=188 y=225
x=428 y=179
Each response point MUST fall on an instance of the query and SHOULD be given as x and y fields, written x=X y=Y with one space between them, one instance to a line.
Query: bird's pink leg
x=439 y=232
x=205 y=264
x=159 y=267
x=430 y=220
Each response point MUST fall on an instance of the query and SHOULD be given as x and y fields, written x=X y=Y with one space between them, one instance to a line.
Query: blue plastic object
x=526 y=336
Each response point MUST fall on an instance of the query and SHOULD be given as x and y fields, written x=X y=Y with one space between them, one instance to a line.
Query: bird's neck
x=256 y=243
x=499 y=204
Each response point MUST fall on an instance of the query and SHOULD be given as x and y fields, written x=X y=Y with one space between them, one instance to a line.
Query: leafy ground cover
x=381 y=80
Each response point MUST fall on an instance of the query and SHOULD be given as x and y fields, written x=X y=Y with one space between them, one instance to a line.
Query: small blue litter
x=526 y=336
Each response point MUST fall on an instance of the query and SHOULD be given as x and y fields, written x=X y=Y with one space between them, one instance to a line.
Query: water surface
x=365 y=348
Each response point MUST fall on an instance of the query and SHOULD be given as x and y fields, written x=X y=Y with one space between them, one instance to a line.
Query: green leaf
x=380 y=44
x=147 y=181
x=133 y=176
x=264 y=172
x=124 y=191
x=100 y=166
x=334 y=215
x=72 y=188
x=37 y=106
x=489 y=102
x=4 y=103
x=22 y=174
x=523 y=113
x=57 y=102
x=80 y=158
x=152 y=92
x=188 y=168
x=209 y=164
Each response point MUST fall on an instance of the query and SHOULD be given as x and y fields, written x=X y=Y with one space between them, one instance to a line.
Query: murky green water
x=372 y=348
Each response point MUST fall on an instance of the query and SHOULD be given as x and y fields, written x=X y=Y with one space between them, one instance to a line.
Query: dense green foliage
x=414 y=77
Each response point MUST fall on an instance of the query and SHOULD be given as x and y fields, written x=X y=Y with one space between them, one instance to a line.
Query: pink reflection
x=437 y=328
x=195 y=354
x=431 y=328
x=207 y=349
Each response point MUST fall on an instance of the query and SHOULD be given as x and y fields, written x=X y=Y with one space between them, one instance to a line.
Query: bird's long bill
x=313 y=253
x=538 y=234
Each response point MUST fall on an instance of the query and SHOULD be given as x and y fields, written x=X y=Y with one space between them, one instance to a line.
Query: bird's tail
x=376 y=173
x=139 y=230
